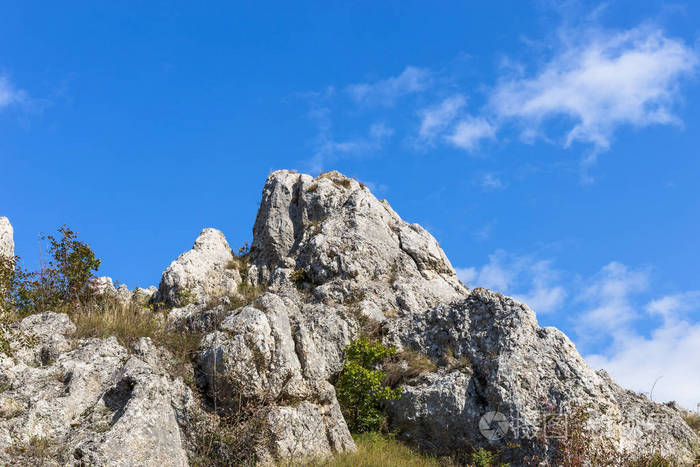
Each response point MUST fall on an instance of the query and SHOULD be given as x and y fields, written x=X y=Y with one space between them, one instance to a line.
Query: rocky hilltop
x=328 y=263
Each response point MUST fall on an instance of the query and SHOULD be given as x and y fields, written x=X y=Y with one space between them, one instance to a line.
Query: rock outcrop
x=91 y=402
x=328 y=263
x=201 y=273
x=7 y=244
x=510 y=365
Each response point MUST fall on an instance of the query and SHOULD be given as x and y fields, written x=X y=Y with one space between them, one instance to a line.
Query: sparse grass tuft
x=377 y=450
x=312 y=188
x=406 y=365
x=130 y=322
x=247 y=294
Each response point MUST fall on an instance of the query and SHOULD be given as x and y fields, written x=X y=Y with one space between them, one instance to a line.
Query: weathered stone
x=201 y=273
x=7 y=244
x=349 y=245
x=93 y=405
x=253 y=358
x=514 y=367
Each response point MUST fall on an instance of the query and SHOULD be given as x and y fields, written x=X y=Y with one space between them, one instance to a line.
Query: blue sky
x=551 y=147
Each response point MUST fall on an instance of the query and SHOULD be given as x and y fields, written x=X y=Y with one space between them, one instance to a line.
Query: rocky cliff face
x=328 y=263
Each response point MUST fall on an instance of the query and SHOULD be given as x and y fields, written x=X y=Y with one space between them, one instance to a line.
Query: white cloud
x=436 y=119
x=9 y=94
x=470 y=131
x=527 y=279
x=671 y=353
x=385 y=92
x=599 y=81
x=609 y=297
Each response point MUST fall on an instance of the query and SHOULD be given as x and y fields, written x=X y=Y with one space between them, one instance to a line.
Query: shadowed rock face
x=335 y=262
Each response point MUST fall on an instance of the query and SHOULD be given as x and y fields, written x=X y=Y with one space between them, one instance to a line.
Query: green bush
x=484 y=458
x=360 y=388
x=65 y=280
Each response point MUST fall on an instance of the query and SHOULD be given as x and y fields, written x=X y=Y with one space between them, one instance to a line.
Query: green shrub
x=185 y=296
x=65 y=280
x=484 y=458
x=360 y=388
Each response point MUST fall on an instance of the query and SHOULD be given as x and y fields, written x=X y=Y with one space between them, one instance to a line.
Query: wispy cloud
x=328 y=149
x=385 y=92
x=491 y=182
x=10 y=95
x=599 y=81
x=436 y=119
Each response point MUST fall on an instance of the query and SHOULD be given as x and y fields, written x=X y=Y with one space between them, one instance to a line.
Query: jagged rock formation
x=328 y=263
x=7 y=244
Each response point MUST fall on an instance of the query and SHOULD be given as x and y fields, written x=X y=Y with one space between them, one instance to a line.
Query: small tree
x=64 y=280
x=360 y=389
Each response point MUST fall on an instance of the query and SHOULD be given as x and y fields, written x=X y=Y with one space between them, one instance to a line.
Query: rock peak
x=346 y=241
x=7 y=244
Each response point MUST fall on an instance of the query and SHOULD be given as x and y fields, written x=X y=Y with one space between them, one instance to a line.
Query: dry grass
x=130 y=322
x=406 y=365
x=109 y=318
x=378 y=450
x=693 y=422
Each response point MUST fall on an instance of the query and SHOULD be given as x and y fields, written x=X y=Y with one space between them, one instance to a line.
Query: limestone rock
x=7 y=244
x=347 y=245
x=105 y=286
x=334 y=262
x=89 y=405
x=253 y=358
x=201 y=273
x=514 y=367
